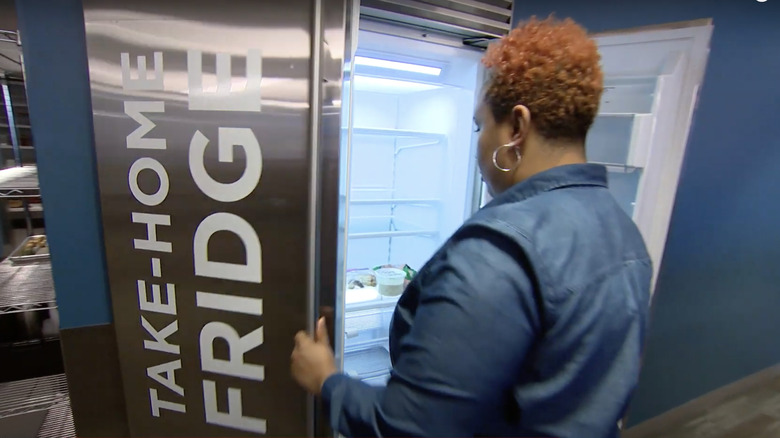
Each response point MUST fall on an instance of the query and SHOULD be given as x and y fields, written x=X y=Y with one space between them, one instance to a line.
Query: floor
x=750 y=412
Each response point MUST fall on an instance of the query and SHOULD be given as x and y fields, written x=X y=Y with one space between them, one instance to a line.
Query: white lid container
x=390 y=281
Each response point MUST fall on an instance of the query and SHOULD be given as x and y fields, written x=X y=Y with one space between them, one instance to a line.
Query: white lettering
x=230 y=303
x=146 y=163
x=142 y=82
x=238 y=346
x=156 y=271
x=228 y=138
x=156 y=304
x=136 y=138
x=251 y=272
x=225 y=98
x=234 y=418
x=169 y=381
x=158 y=404
x=160 y=343
x=152 y=221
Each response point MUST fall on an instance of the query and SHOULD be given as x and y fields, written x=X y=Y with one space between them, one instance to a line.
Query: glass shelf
x=385 y=226
x=396 y=133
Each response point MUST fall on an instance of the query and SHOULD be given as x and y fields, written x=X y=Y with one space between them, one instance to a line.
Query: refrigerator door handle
x=329 y=313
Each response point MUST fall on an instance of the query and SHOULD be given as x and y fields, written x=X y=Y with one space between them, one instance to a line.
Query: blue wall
x=55 y=61
x=715 y=316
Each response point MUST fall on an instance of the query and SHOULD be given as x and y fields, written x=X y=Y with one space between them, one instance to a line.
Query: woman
x=530 y=320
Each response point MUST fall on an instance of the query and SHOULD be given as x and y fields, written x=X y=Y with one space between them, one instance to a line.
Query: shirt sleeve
x=475 y=322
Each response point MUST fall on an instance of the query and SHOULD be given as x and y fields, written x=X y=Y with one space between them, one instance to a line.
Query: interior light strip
x=395 y=65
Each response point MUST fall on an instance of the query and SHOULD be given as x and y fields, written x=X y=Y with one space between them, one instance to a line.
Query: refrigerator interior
x=411 y=161
x=412 y=149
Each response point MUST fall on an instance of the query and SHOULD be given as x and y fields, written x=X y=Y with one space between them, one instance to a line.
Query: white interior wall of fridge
x=411 y=150
x=410 y=161
x=409 y=165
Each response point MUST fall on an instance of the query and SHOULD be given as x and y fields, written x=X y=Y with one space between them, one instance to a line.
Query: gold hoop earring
x=495 y=157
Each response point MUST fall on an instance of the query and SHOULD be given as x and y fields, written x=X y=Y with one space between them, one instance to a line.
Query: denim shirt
x=529 y=321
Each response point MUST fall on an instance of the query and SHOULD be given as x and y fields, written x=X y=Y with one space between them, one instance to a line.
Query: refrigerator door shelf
x=624 y=186
x=628 y=94
x=620 y=139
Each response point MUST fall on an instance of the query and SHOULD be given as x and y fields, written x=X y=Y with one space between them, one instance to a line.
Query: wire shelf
x=33 y=395
x=58 y=422
x=26 y=287
x=401 y=233
x=19 y=182
x=398 y=133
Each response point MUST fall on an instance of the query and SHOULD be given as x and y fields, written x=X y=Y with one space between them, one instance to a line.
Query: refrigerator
x=410 y=171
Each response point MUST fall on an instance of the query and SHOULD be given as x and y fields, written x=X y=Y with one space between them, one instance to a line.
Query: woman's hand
x=312 y=359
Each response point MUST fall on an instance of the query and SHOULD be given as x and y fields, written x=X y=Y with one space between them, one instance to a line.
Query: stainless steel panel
x=327 y=214
x=281 y=115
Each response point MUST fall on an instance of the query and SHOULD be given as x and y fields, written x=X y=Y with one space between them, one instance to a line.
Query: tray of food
x=34 y=248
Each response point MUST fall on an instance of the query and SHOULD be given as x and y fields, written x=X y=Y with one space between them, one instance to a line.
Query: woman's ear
x=521 y=123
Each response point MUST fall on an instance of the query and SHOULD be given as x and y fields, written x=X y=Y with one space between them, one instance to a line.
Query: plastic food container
x=390 y=281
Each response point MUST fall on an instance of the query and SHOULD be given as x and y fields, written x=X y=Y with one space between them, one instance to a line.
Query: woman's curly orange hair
x=551 y=67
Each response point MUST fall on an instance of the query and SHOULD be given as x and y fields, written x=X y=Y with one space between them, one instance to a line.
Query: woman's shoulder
x=503 y=222
x=484 y=245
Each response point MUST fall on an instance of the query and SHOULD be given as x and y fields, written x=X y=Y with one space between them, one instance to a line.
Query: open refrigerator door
x=651 y=81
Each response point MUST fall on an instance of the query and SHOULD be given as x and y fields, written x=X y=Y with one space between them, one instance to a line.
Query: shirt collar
x=569 y=175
